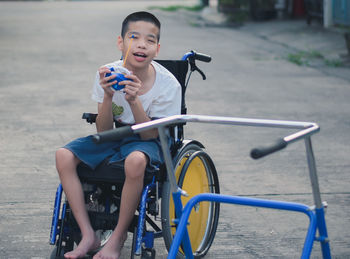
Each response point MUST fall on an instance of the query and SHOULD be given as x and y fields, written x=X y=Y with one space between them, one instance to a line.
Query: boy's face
x=144 y=47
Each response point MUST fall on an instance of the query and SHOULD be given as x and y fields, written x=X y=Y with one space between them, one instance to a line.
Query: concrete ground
x=49 y=54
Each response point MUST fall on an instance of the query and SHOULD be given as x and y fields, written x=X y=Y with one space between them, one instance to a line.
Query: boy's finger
x=103 y=70
x=133 y=78
x=107 y=78
x=131 y=88
x=127 y=83
x=104 y=81
x=130 y=92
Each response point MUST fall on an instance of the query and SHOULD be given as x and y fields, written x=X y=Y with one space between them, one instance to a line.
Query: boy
x=153 y=93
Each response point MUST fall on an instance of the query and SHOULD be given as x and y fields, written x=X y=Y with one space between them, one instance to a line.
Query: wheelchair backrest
x=179 y=69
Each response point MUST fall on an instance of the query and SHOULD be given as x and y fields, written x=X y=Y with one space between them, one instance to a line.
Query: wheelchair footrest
x=107 y=221
x=100 y=220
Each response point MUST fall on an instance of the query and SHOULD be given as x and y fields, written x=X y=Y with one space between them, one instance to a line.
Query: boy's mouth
x=141 y=55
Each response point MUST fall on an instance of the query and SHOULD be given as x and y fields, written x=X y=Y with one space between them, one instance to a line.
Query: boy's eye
x=151 y=39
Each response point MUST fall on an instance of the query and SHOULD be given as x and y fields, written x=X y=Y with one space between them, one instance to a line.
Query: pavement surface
x=49 y=54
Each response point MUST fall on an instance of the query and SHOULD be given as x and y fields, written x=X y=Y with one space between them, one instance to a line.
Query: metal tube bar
x=185 y=238
x=302 y=134
x=247 y=121
x=175 y=190
x=310 y=236
x=290 y=206
x=307 y=128
x=167 y=159
x=177 y=119
x=322 y=230
x=313 y=174
x=321 y=223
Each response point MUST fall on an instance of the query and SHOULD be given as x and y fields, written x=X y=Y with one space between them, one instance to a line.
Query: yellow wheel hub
x=195 y=182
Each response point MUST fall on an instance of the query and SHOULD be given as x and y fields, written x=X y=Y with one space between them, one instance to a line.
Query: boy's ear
x=158 y=48
x=120 y=43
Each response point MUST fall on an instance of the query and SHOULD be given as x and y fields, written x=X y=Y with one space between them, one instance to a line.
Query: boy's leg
x=66 y=164
x=135 y=165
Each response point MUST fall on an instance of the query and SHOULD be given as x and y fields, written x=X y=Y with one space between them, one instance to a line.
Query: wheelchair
x=194 y=171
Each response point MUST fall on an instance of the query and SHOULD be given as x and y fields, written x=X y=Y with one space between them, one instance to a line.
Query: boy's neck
x=144 y=73
x=147 y=75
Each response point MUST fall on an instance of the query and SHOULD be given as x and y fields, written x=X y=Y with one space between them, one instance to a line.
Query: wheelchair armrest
x=89 y=117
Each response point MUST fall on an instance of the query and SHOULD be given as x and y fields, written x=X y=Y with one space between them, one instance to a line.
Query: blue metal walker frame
x=316 y=213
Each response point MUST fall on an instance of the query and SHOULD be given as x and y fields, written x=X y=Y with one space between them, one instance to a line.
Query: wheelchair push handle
x=113 y=134
x=192 y=56
x=202 y=57
x=197 y=56
x=260 y=152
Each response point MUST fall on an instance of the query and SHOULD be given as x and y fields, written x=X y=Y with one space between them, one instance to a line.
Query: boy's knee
x=65 y=156
x=135 y=164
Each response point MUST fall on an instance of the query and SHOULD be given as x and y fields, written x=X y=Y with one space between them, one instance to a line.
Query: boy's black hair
x=140 y=16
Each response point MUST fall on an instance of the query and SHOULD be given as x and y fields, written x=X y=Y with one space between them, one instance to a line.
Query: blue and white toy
x=120 y=73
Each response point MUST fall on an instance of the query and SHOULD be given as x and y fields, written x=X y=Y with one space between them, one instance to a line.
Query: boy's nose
x=141 y=43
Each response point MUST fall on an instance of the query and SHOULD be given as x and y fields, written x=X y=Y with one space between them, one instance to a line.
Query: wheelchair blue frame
x=147 y=239
x=306 y=129
x=149 y=236
x=55 y=217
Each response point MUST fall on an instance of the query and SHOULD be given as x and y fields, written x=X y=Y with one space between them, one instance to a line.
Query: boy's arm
x=131 y=95
x=140 y=116
x=104 y=119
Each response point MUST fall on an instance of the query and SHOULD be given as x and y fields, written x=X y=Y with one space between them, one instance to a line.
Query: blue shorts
x=93 y=154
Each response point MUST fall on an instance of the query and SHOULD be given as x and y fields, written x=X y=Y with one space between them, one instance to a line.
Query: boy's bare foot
x=112 y=249
x=86 y=245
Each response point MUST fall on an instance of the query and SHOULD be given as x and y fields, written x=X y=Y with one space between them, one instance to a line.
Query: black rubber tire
x=190 y=152
x=53 y=254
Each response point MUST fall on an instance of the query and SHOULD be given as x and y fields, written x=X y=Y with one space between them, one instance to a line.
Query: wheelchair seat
x=109 y=173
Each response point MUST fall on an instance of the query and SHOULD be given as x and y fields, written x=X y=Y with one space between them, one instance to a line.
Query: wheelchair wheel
x=195 y=173
x=54 y=252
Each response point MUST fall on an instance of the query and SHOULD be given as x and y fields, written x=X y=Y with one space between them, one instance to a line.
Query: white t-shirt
x=162 y=100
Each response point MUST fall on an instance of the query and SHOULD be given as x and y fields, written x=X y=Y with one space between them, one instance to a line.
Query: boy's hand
x=104 y=80
x=132 y=88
